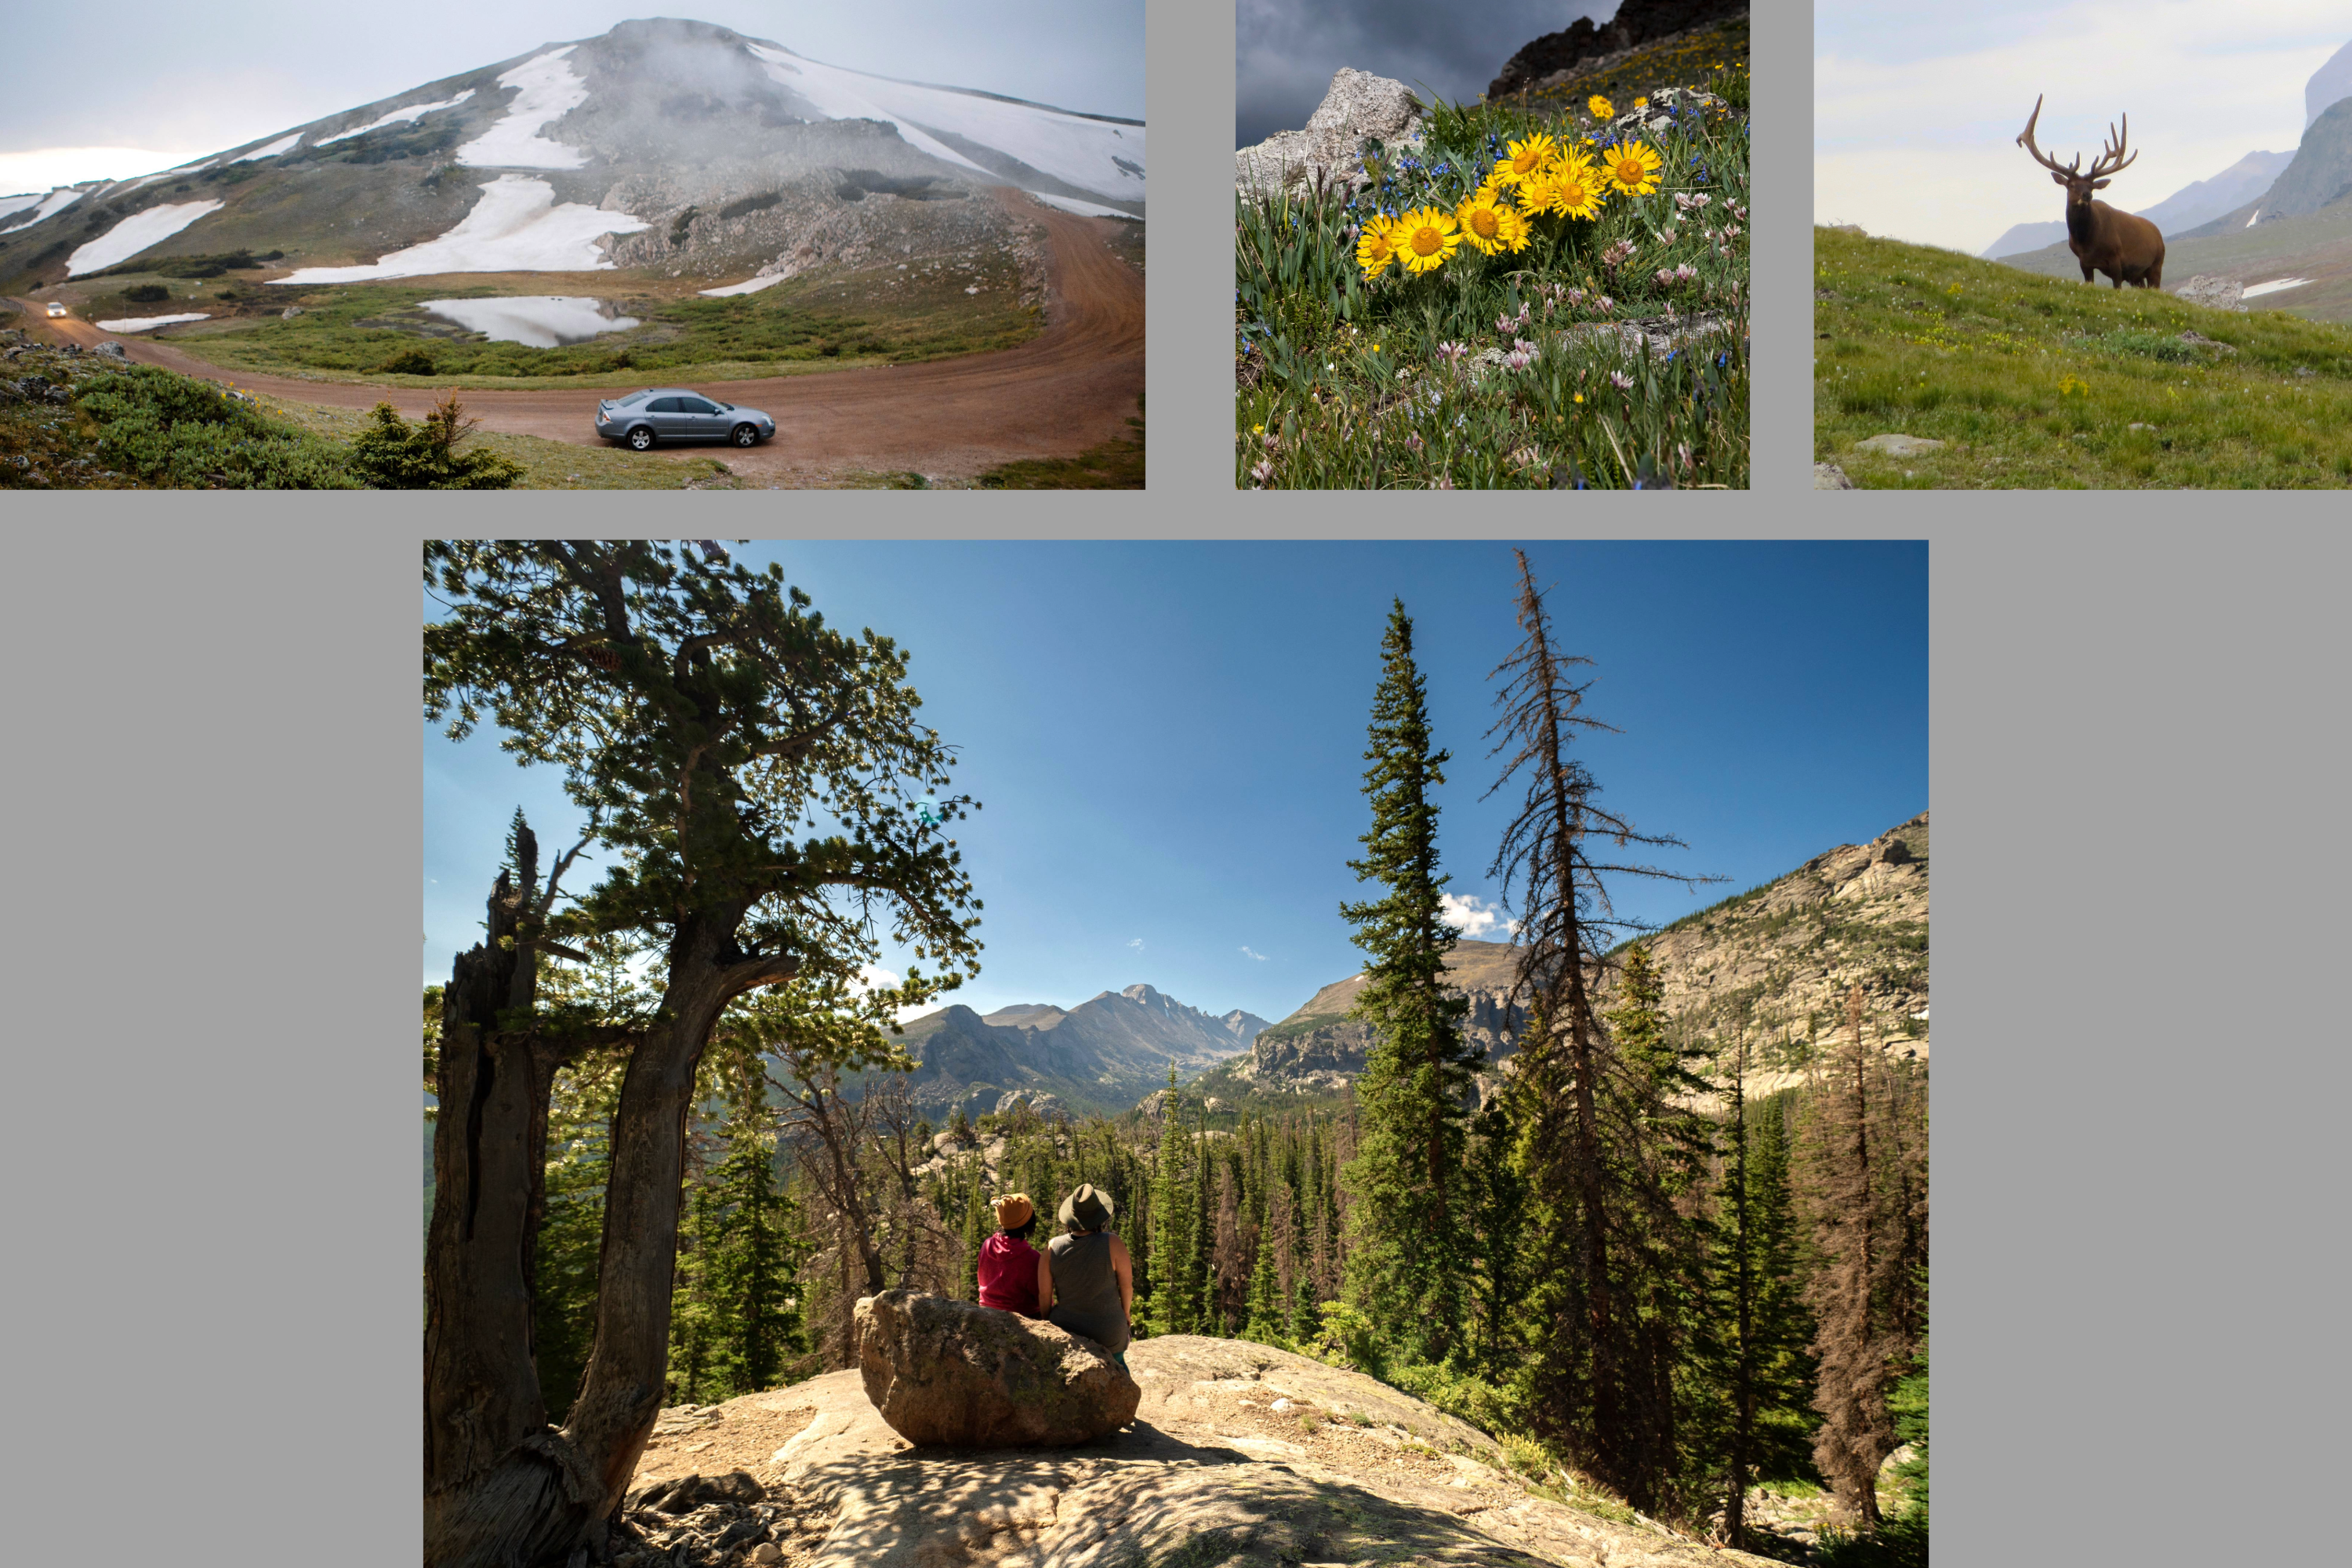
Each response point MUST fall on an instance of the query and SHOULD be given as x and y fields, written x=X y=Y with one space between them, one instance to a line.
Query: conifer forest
x=1675 y=1259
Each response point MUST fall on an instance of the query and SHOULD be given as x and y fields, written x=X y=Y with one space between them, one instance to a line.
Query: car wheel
x=641 y=438
x=745 y=435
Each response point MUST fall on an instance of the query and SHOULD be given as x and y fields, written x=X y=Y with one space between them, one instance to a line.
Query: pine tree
x=751 y=1252
x=1604 y=1244
x=1407 y=1263
x=1852 y=1339
x=1498 y=1203
x=1172 y=1306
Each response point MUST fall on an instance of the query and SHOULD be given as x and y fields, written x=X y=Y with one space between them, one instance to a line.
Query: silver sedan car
x=676 y=414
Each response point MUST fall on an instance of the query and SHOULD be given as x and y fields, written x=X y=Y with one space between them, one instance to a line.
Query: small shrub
x=171 y=430
x=407 y=361
x=146 y=293
x=391 y=454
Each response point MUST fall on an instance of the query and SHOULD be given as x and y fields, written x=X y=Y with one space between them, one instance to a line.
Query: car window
x=662 y=406
x=632 y=397
x=696 y=406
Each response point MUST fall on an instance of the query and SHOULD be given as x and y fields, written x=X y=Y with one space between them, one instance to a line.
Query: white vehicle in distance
x=57 y=310
x=676 y=414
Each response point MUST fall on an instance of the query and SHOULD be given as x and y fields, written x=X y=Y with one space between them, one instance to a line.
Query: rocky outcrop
x=949 y=1373
x=1636 y=22
x=2330 y=85
x=2214 y=293
x=1358 y=108
x=1248 y=1457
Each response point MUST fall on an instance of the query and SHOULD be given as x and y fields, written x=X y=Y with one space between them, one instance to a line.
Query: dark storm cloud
x=1287 y=50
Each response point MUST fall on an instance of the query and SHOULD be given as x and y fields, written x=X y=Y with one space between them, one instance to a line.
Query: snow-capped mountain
x=661 y=143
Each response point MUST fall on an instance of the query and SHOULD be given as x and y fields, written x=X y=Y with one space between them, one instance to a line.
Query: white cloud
x=1137 y=944
x=1915 y=116
x=1475 y=917
x=1247 y=954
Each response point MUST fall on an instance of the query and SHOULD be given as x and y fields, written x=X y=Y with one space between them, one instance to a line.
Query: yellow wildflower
x=1631 y=169
x=1377 y=245
x=1601 y=108
x=1426 y=238
x=1491 y=225
x=1527 y=158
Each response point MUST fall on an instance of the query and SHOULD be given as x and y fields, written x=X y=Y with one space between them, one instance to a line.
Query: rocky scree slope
x=662 y=145
x=1102 y=1055
x=1783 y=954
x=1550 y=59
x=1239 y=1455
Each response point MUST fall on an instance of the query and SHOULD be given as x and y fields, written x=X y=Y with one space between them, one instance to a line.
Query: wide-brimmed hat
x=1014 y=1209
x=1088 y=1208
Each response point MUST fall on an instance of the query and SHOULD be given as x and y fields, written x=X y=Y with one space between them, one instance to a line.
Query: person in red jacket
x=1010 y=1268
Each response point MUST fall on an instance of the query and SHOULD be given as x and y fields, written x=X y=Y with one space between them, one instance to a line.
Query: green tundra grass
x=2037 y=383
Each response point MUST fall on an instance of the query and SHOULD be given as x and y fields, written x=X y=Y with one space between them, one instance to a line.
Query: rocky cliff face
x=1781 y=957
x=1102 y=1055
x=1636 y=22
x=2328 y=86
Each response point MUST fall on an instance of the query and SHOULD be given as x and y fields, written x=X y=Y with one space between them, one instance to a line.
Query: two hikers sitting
x=1083 y=1281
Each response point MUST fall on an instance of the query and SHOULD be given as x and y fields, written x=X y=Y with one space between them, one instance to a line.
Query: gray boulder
x=114 y=351
x=1896 y=446
x=950 y=1372
x=1358 y=107
x=1830 y=477
x=2214 y=293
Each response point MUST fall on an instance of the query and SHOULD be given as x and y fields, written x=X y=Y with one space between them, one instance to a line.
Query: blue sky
x=1168 y=738
x=1917 y=110
x=138 y=85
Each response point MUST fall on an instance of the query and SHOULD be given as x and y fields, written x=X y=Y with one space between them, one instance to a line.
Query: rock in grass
x=951 y=1372
x=2214 y=293
x=1358 y=105
x=1894 y=445
x=1830 y=477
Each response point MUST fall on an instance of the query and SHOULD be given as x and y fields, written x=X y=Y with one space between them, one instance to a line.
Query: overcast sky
x=1169 y=738
x=1287 y=50
x=131 y=86
x=1916 y=112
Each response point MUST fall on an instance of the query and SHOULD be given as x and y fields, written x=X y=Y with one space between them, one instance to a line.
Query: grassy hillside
x=2316 y=247
x=2041 y=383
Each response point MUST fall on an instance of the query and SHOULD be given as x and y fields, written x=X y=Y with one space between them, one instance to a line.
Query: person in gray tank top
x=1090 y=1284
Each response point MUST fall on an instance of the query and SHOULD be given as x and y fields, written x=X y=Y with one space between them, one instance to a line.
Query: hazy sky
x=1168 y=739
x=1287 y=50
x=1916 y=112
x=138 y=85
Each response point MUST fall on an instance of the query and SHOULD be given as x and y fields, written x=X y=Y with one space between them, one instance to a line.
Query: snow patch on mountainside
x=167 y=174
x=409 y=116
x=549 y=89
x=18 y=204
x=135 y=234
x=54 y=203
x=282 y=144
x=517 y=227
x=1087 y=153
x=749 y=286
x=145 y=324
x=1072 y=205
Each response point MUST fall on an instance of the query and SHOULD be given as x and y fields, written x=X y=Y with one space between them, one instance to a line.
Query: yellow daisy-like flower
x=1601 y=108
x=1640 y=103
x=1631 y=169
x=1376 y=248
x=1492 y=226
x=1527 y=158
x=1577 y=189
x=1426 y=238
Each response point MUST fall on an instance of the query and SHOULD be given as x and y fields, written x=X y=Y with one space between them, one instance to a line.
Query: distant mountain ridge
x=1104 y=1053
x=674 y=147
x=1782 y=955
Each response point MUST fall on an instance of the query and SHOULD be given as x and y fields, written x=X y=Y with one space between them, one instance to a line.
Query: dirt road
x=1071 y=387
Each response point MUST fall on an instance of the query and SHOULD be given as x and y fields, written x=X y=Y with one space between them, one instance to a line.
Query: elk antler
x=2025 y=139
x=2106 y=164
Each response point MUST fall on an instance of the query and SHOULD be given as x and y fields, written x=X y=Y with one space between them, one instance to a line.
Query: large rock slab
x=1358 y=105
x=949 y=1373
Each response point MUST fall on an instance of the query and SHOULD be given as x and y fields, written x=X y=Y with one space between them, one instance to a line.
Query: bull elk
x=2128 y=248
